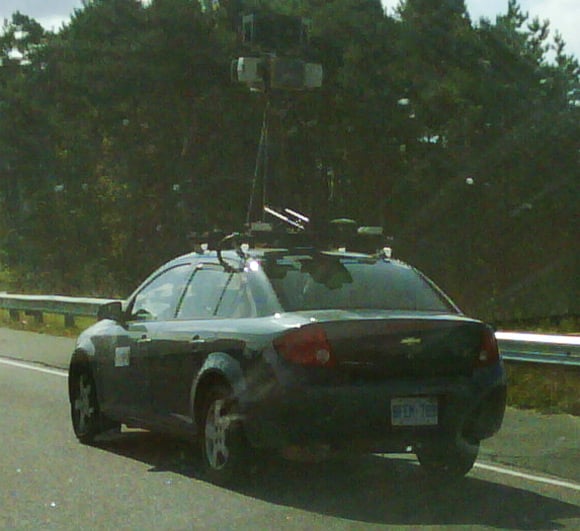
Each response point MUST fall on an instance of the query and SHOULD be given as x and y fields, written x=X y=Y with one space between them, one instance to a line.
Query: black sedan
x=295 y=351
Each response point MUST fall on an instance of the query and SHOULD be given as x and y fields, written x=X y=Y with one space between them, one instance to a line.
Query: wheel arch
x=219 y=368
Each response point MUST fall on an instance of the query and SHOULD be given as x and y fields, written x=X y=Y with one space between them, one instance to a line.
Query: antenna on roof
x=291 y=217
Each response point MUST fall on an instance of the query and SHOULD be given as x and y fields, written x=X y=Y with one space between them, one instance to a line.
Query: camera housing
x=276 y=45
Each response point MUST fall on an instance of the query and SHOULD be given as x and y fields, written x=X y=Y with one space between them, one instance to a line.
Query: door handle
x=197 y=342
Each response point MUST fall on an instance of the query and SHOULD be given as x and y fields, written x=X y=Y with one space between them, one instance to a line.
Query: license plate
x=414 y=411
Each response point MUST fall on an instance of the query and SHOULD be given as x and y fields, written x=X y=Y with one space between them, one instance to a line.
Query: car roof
x=260 y=252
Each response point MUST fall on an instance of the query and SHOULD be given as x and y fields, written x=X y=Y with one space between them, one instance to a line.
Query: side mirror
x=110 y=310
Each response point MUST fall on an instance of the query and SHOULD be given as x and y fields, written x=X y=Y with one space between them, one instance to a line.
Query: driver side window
x=157 y=301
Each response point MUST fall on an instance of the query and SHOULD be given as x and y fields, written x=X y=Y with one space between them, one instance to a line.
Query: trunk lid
x=374 y=346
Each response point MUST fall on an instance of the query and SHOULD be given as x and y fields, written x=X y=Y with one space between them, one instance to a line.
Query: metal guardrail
x=37 y=305
x=539 y=348
x=516 y=347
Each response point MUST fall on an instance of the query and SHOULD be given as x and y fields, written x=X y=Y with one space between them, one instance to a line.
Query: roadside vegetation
x=559 y=325
x=543 y=388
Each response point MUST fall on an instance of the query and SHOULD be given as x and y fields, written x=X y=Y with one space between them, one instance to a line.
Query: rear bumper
x=358 y=418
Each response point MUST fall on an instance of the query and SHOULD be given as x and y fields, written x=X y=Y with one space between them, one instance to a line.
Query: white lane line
x=32 y=367
x=531 y=477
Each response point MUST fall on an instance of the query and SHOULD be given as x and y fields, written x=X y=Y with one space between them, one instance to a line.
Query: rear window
x=328 y=282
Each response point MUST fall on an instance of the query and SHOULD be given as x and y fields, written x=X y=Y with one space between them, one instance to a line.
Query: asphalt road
x=138 y=480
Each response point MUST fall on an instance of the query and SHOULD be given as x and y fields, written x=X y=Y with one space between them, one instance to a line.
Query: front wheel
x=451 y=461
x=86 y=417
x=84 y=407
x=224 y=448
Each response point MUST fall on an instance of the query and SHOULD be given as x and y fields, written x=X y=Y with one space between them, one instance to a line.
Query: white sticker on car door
x=122 y=356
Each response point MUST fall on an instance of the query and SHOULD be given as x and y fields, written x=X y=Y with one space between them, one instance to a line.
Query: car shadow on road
x=368 y=489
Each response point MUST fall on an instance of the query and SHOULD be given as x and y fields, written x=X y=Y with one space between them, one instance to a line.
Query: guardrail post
x=69 y=320
x=38 y=316
x=14 y=315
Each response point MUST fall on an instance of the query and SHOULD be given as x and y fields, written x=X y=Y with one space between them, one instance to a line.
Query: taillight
x=489 y=350
x=306 y=346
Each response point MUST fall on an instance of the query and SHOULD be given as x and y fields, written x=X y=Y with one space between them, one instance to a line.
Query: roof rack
x=291 y=229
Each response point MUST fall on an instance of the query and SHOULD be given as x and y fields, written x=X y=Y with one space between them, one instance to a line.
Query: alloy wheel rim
x=83 y=404
x=216 y=427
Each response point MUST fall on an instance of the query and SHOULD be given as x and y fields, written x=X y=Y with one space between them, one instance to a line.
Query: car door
x=182 y=345
x=127 y=378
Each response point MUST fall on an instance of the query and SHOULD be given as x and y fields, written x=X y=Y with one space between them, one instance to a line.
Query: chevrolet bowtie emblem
x=411 y=341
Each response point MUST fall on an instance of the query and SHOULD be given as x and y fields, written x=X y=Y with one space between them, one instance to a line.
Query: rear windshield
x=328 y=282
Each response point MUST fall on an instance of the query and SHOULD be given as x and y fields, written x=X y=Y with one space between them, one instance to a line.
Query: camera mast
x=274 y=64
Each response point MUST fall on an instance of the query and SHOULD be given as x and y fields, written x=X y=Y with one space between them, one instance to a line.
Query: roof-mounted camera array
x=276 y=47
x=290 y=229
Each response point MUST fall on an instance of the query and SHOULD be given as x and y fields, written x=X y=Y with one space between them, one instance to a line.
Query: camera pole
x=261 y=163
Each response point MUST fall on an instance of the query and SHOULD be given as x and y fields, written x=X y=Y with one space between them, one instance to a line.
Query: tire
x=224 y=449
x=448 y=462
x=87 y=420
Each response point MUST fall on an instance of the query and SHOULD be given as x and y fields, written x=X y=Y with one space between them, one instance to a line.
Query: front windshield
x=324 y=282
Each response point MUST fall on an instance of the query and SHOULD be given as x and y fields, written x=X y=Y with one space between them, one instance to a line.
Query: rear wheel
x=451 y=461
x=224 y=447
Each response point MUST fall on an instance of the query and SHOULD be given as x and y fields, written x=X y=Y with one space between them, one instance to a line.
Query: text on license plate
x=414 y=411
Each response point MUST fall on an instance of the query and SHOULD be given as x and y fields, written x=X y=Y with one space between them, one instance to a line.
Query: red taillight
x=306 y=346
x=489 y=350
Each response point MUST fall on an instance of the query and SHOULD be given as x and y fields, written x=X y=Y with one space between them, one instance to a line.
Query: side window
x=158 y=299
x=236 y=300
x=263 y=297
x=203 y=293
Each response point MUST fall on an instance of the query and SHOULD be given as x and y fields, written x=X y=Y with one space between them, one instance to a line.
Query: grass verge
x=51 y=324
x=545 y=388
